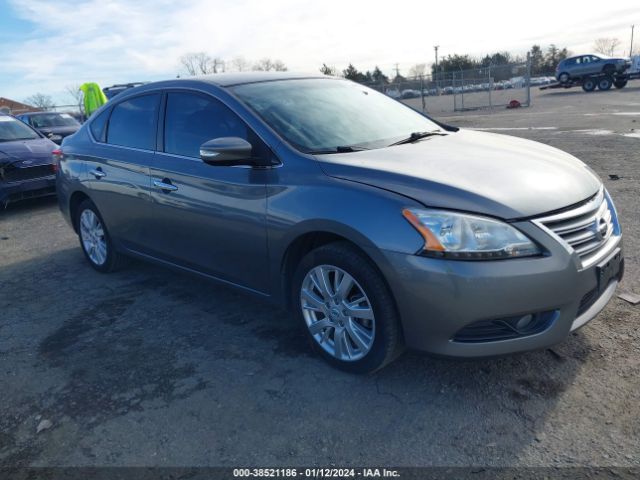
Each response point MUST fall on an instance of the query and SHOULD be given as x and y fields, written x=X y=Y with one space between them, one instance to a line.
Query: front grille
x=12 y=174
x=505 y=328
x=587 y=229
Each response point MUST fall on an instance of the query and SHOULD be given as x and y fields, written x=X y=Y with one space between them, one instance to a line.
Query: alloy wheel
x=337 y=312
x=93 y=237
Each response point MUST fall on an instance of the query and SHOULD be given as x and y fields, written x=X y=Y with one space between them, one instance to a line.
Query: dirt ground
x=150 y=367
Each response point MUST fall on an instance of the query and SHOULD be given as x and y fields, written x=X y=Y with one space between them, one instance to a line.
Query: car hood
x=492 y=174
x=36 y=152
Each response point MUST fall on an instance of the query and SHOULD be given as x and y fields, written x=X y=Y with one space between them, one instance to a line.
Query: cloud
x=114 y=41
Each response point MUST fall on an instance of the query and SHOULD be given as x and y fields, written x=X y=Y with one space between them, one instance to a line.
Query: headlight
x=468 y=237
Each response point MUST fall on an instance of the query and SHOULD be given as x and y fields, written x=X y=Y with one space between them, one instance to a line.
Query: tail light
x=57 y=156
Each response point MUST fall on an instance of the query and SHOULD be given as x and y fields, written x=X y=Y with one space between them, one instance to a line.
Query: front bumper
x=437 y=298
x=15 y=191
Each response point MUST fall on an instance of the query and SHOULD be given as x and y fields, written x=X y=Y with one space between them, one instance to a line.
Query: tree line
x=542 y=62
x=201 y=63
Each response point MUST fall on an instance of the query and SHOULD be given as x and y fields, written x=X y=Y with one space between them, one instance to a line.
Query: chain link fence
x=494 y=86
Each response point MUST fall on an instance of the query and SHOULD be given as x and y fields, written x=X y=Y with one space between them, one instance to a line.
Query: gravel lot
x=150 y=367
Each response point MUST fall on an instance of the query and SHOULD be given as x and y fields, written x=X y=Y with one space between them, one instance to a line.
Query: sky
x=47 y=46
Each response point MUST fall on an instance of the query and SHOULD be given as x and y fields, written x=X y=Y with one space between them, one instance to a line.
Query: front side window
x=191 y=120
x=324 y=114
x=133 y=122
x=12 y=129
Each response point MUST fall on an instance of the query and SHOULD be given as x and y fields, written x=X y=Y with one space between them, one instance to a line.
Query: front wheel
x=620 y=83
x=346 y=309
x=94 y=239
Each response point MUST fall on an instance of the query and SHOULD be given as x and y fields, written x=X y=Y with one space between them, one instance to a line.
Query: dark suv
x=578 y=67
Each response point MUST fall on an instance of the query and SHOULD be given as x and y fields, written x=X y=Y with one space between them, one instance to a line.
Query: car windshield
x=53 y=120
x=12 y=129
x=324 y=115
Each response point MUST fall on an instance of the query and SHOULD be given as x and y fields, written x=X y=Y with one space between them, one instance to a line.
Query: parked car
x=410 y=93
x=114 y=90
x=26 y=164
x=574 y=68
x=377 y=226
x=393 y=93
x=53 y=125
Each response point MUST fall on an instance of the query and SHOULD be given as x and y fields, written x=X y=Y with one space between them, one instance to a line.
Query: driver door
x=208 y=218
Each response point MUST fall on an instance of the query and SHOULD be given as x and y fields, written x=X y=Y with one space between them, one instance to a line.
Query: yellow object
x=94 y=97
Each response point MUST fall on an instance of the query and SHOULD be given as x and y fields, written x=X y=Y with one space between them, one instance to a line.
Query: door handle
x=98 y=173
x=165 y=185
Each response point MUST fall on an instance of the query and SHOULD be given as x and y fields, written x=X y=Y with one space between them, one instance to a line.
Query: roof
x=592 y=54
x=16 y=106
x=238 y=78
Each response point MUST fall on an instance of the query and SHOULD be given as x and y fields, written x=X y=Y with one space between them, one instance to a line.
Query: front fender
x=369 y=217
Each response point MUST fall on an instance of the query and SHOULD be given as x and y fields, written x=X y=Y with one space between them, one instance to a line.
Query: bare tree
x=240 y=64
x=267 y=64
x=326 y=70
x=198 y=63
x=75 y=93
x=279 y=66
x=606 y=46
x=40 y=100
x=418 y=70
x=218 y=65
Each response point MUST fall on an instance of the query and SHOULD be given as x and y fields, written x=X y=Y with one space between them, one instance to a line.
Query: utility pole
x=631 y=48
x=397 y=70
x=436 y=49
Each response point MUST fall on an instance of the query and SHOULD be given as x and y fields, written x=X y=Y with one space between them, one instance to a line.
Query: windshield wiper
x=339 y=149
x=415 y=136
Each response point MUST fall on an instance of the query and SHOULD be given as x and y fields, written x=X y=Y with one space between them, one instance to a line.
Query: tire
x=609 y=70
x=563 y=77
x=605 y=83
x=588 y=85
x=361 y=343
x=620 y=83
x=94 y=239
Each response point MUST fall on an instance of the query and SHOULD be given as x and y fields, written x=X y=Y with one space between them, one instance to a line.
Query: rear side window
x=99 y=125
x=133 y=122
x=191 y=120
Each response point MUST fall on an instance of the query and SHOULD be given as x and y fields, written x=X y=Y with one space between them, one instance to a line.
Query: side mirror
x=226 y=151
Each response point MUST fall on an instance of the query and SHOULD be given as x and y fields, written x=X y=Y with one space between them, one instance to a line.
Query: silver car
x=377 y=226
x=580 y=66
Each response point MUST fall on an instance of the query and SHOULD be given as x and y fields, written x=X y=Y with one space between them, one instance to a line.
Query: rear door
x=211 y=218
x=118 y=169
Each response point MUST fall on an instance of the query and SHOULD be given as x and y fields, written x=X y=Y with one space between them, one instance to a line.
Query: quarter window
x=99 y=124
x=133 y=122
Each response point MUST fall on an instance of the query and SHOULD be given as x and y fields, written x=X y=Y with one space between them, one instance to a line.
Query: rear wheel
x=94 y=239
x=563 y=77
x=588 y=85
x=346 y=309
x=605 y=83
